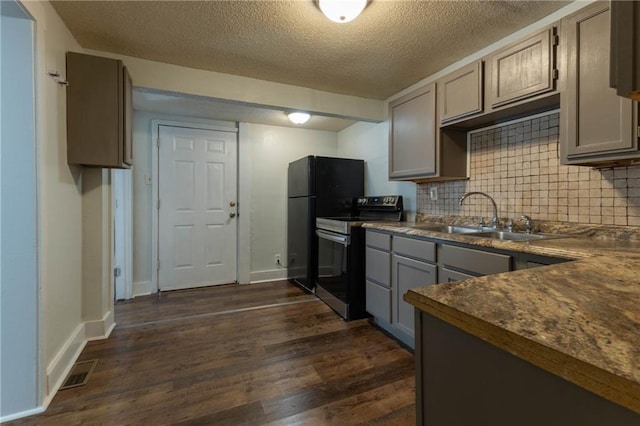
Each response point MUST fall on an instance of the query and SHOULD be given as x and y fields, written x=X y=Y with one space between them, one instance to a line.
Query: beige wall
x=60 y=190
x=370 y=142
x=271 y=149
x=517 y=164
x=174 y=78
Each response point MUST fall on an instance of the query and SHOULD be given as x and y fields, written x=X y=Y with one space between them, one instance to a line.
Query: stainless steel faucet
x=494 y=220
x=527 y=223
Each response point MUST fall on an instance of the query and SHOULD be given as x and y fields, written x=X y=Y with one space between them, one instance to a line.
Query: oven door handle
x=336 y=238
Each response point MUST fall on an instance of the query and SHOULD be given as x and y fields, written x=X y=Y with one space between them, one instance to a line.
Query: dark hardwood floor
x=239 y=355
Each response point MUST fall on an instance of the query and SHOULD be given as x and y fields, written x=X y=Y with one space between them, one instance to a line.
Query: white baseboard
x=142 y=288
x=99 y=329
x=268 y=275
x=21 y=414
x=62 y=363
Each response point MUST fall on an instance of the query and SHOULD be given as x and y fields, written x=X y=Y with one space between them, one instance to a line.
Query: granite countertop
x=579 y=320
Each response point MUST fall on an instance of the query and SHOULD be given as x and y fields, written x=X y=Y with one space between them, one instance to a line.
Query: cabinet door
x=522 y=70
x=446 y=275
x=460 y=93
x=596 y=124
x=408 y=274
x=412 y=135
x=98 y=112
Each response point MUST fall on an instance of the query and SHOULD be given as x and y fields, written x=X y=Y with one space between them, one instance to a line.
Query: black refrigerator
x=318 y=187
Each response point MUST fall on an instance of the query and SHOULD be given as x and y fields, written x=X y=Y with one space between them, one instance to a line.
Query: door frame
x=121 y=182
x=155 y=158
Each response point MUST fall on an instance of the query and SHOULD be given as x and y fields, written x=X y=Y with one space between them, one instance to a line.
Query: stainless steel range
x=340 y=281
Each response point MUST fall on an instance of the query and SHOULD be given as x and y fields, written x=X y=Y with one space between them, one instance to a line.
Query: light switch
x=433 y=193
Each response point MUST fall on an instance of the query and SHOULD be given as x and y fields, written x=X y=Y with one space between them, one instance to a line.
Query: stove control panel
x=385 y=201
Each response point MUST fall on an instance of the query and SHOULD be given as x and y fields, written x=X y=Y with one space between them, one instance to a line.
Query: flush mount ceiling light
x=342 y=11
x=299 y=117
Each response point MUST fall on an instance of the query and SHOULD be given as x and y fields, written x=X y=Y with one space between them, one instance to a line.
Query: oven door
x=332 y=282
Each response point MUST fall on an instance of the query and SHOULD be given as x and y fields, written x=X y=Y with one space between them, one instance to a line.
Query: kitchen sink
x=514 y=236
x=448 y=229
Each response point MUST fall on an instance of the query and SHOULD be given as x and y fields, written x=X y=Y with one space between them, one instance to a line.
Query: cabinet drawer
x=415 y=248
x=378 y=301
x=378 y=264
x=379 y=240
x=448 y=276
x=475 y=261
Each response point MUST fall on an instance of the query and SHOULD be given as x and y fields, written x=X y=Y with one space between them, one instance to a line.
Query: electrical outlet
x=276 y=259
x=433 y=193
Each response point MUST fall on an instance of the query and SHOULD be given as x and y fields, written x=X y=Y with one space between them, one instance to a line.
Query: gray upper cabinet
x=597 y=127
x=418 y=149
x=412 y=135
x=460 y=93
x=522 y=70
x=99 y=112
x=625 y=48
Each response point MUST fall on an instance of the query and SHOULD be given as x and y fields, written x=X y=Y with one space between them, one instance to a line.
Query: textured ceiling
x=392 y=45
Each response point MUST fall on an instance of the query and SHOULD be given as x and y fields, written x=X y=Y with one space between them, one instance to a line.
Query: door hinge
x=556 y=40
x=556 y=74
x=117 y=272
x=158 y=142
x=158 y=266
x=158 y=204
x=638 y=132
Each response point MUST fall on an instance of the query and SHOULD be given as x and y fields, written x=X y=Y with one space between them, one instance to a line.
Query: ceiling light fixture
x=299 y=117
x=342 y=11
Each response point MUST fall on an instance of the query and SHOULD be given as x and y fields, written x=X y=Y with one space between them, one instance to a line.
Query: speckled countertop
x=579 y=320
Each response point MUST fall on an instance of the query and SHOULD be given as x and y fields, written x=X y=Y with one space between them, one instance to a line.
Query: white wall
x=59 y=210
x=272 y=148
x=19 y=298
x=369 y=142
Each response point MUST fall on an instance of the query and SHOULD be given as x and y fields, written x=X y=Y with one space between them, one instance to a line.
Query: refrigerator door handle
x=336 y=238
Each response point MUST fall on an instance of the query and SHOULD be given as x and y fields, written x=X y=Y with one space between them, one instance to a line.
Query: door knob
x=232 y=214
x=232 y=204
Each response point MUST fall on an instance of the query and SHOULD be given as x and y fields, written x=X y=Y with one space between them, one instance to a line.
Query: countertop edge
x=594 y=379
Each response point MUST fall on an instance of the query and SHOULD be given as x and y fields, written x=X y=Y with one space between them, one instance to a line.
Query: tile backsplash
x=518 y=165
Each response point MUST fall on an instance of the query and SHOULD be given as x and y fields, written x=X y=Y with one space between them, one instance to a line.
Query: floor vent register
x=79 y=374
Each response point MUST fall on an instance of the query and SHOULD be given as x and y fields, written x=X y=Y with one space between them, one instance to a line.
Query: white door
x=197 y=182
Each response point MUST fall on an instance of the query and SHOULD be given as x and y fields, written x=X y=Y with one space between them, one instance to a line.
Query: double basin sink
x=484 y=233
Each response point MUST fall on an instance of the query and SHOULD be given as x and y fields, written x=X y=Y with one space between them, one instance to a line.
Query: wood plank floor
x=262 y=354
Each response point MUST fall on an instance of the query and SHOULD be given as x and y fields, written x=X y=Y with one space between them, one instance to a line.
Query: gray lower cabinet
x=397 y=263
x=407 y=274
x=378 y=275
x=463 y=380
x=597 y=127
